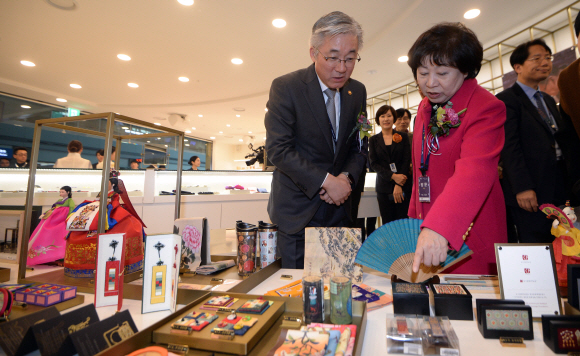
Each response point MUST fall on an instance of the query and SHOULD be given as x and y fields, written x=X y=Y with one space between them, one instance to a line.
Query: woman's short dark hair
x=522 y=52
x=401 y=112
x=100 y=152
x=192 y=159
x=448 y=44
x=75 y=146
x=67 y=189
x=383 y=110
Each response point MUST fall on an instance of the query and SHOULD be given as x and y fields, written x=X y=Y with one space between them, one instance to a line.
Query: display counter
x=157 y=211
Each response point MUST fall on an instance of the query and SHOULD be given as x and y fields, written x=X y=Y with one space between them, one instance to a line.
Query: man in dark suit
x=311 y=114
x=538 y=146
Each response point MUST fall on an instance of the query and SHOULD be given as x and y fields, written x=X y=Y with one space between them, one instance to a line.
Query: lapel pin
x=349 y=92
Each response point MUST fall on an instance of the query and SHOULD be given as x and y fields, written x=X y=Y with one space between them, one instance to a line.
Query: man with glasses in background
x=538 y=150
x=311 y=114
x=20 y=155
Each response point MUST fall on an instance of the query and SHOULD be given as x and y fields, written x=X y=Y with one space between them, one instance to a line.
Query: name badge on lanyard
x=393 y=168
x=424 y=189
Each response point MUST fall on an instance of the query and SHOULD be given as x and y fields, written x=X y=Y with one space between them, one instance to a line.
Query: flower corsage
x=445 y=119
x=397 y=138
x=363 y=126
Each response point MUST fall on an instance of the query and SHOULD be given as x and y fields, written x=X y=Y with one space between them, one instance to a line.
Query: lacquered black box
x=561 y=333
x=410 y=298
x=505 y=320
x=453 y=301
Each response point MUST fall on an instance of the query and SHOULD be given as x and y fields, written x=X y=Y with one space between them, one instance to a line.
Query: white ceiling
x=167 y=40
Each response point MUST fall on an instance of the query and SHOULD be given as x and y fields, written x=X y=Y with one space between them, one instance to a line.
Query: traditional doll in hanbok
x=47 y=242
x=81 y=244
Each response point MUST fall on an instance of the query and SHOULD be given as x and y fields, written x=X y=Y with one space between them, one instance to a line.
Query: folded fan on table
x=391 y=249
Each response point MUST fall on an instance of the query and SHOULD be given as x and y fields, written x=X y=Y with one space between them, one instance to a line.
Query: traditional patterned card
x=193 y=321
x=507 y=320
x=331 y=251
x=109 y=274
x=194 y=242
x=161 y=272
x=219 y=301
x=363 y=295
x=411 y=288
x=384 y=299
x=449 y=289
x=293 y=289
x=302 y=343
x=209 y=307
x=255 y=306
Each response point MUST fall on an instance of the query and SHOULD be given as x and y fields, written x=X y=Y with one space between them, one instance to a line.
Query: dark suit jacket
x=299 y=144
x=529 y=153
x=381 y=156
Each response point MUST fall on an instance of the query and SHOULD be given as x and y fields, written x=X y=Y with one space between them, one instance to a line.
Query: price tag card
x=528 y=272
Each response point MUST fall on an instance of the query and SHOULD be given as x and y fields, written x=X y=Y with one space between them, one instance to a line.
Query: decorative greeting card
x=194 y=242
x=331 y=251
x=109 y=272
x=161 y=272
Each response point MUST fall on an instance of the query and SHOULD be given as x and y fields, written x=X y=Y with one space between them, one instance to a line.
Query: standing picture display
x=527 y=272
x=109 y=272
x=161 y=272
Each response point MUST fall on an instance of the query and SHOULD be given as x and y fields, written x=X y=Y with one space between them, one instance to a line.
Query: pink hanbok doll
x=47 y=242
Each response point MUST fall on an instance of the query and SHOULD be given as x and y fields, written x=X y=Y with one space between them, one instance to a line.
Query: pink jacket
x=464 y=178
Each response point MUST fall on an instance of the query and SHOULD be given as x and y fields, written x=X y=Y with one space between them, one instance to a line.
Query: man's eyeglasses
x=538 y=59
x=348 y=62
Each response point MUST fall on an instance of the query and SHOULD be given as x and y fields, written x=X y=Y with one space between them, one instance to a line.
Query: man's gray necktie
x=331 y=110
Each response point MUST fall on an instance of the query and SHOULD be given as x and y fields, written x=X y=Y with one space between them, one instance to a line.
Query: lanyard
x=424 y=163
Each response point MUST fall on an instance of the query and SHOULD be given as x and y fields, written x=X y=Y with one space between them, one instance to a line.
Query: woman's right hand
x=400 y=179
x=398 y=194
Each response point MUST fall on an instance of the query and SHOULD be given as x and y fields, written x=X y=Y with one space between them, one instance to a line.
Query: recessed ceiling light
x=238 y=115
x=237 y=61
x=249 y=131
x=61 y=100
x=187 y=144
x=279 y=23
x=185 y=139
x=166 y=146
x=241 y=140
x=76 y=86
x=148 y=141
x=133 y=85
x=185 y=2
x=125 y=128
x=403 y=59
x=200 y=115
x=159 y=138
x=212 y=138
x=123 y=57
x=184 y=79
x=25 y=106
x=187 y=131
x=193 y=128
x=28 y=63
x=156 y=123
x=264 y=138
x=266 y=109
x=221 y=132
x=228 y=125
x=471 y=14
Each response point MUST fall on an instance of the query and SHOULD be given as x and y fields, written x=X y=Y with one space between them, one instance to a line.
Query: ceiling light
x=200 y=115
x=237 y=61
x=471 y=14
x=249 y=131
x=187 y=144
x=133 y=85
x=28 y=63
x=241 y=140
x=228 y=125
x=184 y=79
x=166 y=146
x=148 y=141
x=159 y=138
x=187 y=131
x=76 y=86
x=264 y=138
x=279 y=23
x=117 y=113
x=238 y=115
x=185 y=139
x=193 y=128
x=61 y=100
x=221 y=132
x=125 y=128
x=123 y=57
x=25 y=106
x=212 y=138
x=266 y=109
x=156 y=123
x=403 y=59
x=185 y=2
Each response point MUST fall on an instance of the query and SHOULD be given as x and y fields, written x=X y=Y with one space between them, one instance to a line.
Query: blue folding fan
x=391 y=248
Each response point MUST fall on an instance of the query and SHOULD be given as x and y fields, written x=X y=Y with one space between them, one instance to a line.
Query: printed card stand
x=561 y=333
x=495 y=320
x=410 y=298
x=16 y=337
x=104 y=334
x=53 y=338
x=453 y=301
x=161 y=272
x=109 y=274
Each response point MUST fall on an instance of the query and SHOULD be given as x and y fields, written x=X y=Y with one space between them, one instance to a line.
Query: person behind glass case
x=73 y=159
x=20 y=155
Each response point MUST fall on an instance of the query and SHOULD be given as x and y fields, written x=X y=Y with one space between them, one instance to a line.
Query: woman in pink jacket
x=458 y=138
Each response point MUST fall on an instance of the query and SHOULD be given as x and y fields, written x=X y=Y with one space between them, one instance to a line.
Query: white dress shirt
x=73 y=160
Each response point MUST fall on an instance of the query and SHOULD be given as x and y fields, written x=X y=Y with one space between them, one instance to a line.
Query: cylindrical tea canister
x=313 y=299
x=246 y=234
x=340 y=300
x=267 y=243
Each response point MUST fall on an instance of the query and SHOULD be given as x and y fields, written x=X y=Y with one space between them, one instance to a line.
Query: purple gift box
x=45 y=294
